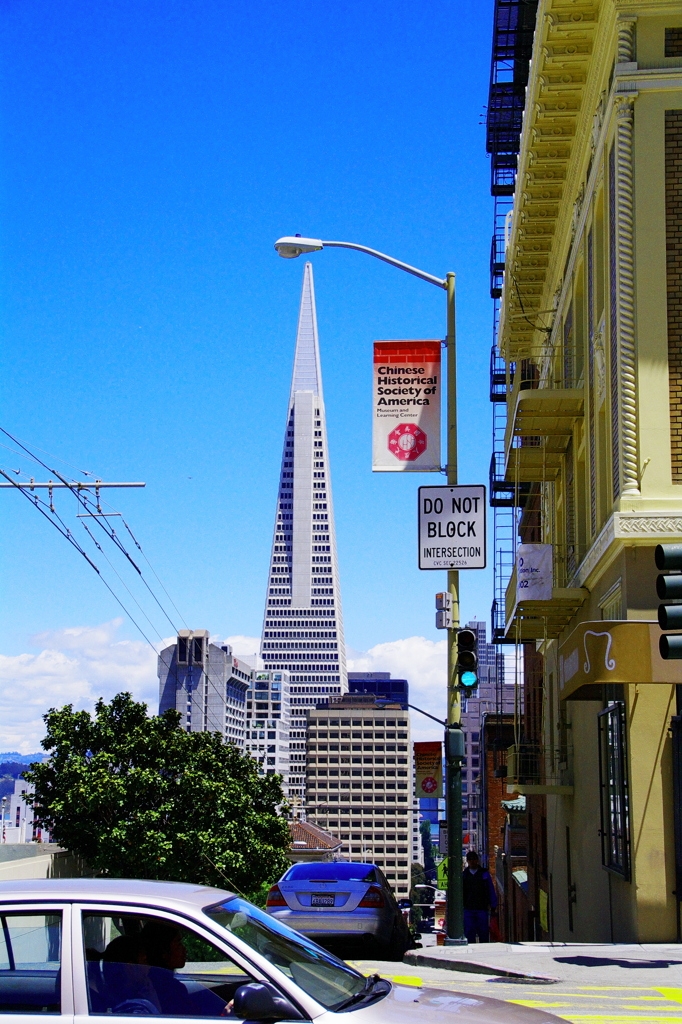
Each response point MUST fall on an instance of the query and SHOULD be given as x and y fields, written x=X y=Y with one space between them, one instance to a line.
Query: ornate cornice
x=627 y=529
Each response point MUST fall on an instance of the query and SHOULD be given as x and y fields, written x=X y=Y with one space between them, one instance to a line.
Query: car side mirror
x=259 y=1000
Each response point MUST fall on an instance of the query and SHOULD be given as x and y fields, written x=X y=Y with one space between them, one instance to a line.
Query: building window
x=673 y=42
x=613 y=782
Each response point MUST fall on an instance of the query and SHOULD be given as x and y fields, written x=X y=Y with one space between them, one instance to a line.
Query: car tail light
x=374 y=897
x=275 y=898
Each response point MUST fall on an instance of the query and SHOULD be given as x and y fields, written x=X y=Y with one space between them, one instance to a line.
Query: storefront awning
x=600 y=653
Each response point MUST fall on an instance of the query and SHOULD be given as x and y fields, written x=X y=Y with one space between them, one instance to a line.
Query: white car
x=98 y=950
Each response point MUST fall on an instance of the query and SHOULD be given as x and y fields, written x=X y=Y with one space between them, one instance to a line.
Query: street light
x=290 y=247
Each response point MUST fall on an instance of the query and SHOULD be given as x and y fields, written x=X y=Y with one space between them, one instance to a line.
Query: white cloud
x=424 y=664
x=80 y=664
x=75 y=666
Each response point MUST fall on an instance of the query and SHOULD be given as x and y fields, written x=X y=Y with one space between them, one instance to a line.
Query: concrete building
x=303 y=622
x=589 y=372
x=268 y=704
x=16 y=818
x=206 y=684
x=360 y=781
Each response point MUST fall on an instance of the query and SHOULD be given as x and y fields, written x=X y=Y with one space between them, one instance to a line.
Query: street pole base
x=455 y=942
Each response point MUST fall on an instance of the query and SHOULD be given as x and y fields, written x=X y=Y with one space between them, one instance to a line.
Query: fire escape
x=513 y=29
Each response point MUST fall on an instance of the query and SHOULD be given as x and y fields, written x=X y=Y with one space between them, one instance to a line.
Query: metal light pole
x=293 y=246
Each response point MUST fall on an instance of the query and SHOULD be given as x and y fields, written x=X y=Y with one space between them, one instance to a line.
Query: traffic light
x=467 y=660
x=669 y=588
x=444 y=618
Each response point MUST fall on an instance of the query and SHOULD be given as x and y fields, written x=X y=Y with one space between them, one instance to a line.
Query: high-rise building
x=205 y=683
x=268 y=703
x=360 y=781
x=303 y=623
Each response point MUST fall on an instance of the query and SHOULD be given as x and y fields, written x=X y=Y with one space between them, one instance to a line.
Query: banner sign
x=406 y=407
x=534 y=572
x=428 y=766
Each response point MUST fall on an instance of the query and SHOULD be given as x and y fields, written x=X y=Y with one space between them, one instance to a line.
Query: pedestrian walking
x=480 y=899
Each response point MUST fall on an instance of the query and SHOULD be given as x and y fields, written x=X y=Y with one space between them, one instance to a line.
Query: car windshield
x=327 y=979
x=331 y=872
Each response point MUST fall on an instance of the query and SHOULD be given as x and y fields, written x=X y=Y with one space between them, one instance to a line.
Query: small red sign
x=407 y=442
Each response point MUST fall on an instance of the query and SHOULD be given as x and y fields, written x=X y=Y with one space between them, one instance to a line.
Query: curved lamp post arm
x=441 y=283
x=293 y=245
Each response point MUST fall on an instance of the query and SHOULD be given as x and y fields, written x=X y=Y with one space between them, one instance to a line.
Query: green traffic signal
x=467 y=660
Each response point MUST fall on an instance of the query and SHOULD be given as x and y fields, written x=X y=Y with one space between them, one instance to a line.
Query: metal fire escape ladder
x=513 y=30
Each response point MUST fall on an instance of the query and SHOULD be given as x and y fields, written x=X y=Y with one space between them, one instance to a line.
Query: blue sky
x=153 y=150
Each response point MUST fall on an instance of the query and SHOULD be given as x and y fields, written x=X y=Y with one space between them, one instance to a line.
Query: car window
x=327 y=979
x=139 y=964
x=338 y=871
x=30 y=963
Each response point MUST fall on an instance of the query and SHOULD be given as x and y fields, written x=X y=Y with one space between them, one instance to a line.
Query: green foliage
x=418 y=877
x=427 y=847
x=138 y=797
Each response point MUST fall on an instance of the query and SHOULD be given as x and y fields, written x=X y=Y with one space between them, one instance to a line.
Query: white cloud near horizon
x=82 y=663
x=423 y=663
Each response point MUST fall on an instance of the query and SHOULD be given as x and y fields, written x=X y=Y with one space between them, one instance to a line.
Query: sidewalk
x=606 y=964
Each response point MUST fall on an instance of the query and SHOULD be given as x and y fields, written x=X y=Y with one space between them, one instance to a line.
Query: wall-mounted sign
x=406 y=407
x=534 y=572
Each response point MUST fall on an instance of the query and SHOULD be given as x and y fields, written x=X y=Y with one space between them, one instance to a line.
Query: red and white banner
x=428 y=767
x=406 y=407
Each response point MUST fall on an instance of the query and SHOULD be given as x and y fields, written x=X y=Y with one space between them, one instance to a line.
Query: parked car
x=111 y=949
x=342 y=904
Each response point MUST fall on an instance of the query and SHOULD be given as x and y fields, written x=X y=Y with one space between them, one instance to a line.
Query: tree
x=138 y=797
x=427 y=847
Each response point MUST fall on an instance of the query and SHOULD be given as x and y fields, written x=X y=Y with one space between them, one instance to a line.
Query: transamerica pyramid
x=303 y=621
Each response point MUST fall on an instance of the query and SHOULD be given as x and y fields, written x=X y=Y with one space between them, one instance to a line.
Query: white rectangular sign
x=534 y=572
x=452 y=527
x=406 y=407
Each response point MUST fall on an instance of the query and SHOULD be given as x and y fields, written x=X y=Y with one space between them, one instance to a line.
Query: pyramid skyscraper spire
x=303 y=622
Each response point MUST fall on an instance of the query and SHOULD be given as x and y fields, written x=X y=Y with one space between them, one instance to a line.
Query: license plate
x=321 y=900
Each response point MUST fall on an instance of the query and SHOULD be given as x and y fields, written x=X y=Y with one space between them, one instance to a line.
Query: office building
x=206 y=684
x=303 y=623
x=268 y=724
x=360 y=781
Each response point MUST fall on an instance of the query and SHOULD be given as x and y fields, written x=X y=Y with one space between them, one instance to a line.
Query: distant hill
x=14 y=755
x=10 y=771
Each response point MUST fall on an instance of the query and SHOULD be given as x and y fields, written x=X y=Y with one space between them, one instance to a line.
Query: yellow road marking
x=406 y=979
x=674 y=994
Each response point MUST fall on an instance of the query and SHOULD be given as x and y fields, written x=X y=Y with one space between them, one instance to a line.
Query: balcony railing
x=531 y=768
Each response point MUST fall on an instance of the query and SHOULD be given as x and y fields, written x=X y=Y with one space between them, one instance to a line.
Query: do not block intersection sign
x=452 y=527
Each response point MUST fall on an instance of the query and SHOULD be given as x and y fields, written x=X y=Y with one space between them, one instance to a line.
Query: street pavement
x=596 y=984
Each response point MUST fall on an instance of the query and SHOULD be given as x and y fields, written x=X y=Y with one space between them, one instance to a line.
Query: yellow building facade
x=591 y=334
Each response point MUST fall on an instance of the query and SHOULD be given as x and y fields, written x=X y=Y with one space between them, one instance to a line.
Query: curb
x=476 y=967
